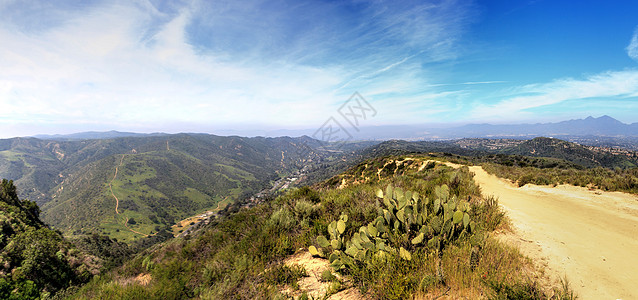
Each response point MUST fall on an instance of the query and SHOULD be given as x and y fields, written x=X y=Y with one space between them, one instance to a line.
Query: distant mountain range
x=604 y=126
x=94 y=135
x=574 y=154
x=164 y=177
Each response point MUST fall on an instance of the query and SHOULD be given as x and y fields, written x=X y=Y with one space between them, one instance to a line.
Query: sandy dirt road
x=589 y=236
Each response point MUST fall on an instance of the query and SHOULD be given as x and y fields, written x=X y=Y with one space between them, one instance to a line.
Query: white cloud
x=119 y=64
x=96 y=67
x=632 y=48
x=611 y=84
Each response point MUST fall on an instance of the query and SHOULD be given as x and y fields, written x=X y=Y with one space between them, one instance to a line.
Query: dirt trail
x=132 y=230
x=589 y=236
x=184 y=224
x=117 y=201
x=282 y=159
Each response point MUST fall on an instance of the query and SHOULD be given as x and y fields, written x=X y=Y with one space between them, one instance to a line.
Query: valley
x=297 y=150
x=117 y=197
x=132 y=187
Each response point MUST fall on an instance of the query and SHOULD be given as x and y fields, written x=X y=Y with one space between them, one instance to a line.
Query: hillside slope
x=375 y=246
x=564 y=152
x=35 y=261
x=160 y=179
x=578 y=154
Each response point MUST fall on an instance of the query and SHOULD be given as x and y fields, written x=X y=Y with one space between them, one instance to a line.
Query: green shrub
x=304 y=209
x=525 y=179
x=282 y=274
x=306 y=193
x=282 y=220
x=519 y=290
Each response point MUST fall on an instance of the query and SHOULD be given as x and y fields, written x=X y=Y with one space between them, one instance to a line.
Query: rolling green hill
x=160 y=179
x=558 y=151
x=377 y=248
x=578 y=154
x=133 y=189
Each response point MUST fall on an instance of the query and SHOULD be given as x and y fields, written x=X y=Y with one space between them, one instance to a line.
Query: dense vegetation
x=163 y=179
x=558 y=151
x=551 y=171
x=542 y=161
x=624 y=180
x=577 y=154
x=160 y=179
x=241 y=256
x=392 y=227
x=35 y=261
x=111 y=252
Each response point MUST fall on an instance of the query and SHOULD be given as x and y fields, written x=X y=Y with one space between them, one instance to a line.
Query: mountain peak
x=600 y=126
x=607 y=119
x=601 y=118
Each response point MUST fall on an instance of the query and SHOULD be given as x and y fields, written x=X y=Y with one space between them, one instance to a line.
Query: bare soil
x=312 y=284
x=589 y=236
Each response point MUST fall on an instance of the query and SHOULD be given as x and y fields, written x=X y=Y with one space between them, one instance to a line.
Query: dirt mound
x=312 y=284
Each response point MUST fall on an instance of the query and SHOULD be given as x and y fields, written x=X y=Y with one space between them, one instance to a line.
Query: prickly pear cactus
x=405 y=221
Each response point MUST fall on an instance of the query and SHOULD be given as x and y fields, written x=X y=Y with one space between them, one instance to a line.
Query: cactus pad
x=418 y=239
x=335 y=244
x=458 y=217
x=314 y=251
x=322 y=241
x=341 y=226
x=405 y=254
x=466 y=220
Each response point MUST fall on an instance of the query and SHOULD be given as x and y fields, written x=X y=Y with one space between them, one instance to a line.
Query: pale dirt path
x=117 y=201
x=183 y=223
x=132 y=230
x=589 y=236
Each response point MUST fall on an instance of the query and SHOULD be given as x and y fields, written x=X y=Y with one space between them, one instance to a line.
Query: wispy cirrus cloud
x=596 y=89
x=632 y=48
x=137 y=65
x=610 y=92
x=154 y=65
x=469 y=83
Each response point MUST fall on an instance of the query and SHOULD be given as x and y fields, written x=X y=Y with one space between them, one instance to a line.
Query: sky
x=206 y=66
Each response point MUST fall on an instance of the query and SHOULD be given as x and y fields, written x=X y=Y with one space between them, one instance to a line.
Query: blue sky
x=203 y=66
